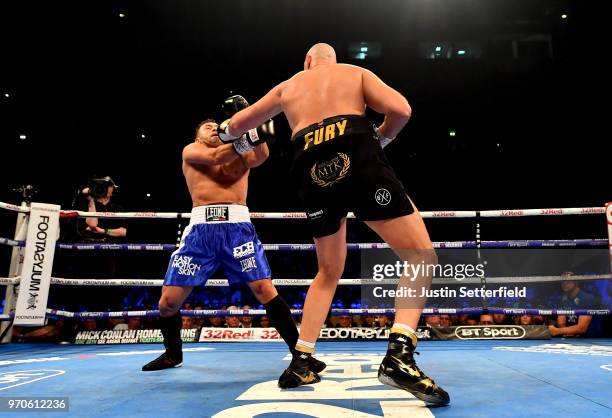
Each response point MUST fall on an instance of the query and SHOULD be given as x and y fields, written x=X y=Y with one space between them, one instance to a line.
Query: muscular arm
x=253 y=116
x=257 y=157
x=199 y=154
x=383 y=99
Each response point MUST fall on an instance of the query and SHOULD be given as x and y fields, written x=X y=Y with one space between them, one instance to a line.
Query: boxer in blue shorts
x=220 y=234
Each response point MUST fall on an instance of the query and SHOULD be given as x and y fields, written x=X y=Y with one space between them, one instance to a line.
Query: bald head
x=319 y=54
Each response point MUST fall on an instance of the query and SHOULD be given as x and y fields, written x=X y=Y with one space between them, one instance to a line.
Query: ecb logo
x=243 y=250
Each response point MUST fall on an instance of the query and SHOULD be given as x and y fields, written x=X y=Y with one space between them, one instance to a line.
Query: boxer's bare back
x=325 y=89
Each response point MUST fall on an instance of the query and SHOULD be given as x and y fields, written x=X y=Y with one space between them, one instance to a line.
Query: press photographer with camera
x=104 y=264
x=97 y=198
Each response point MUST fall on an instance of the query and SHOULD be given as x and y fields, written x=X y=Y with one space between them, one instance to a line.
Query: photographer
x=97 y=198
x=103 y=264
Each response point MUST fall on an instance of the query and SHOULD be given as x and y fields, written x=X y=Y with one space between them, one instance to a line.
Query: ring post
x=21 y=229
x=43 y=231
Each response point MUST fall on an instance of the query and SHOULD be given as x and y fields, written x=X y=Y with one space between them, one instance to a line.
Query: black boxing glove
x=234 y=104
x=266 y=130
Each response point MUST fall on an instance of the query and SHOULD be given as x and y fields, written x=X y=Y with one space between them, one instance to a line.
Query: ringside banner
x=270 y=334
x=131 y=336
x=492 y=332
x=208 y=334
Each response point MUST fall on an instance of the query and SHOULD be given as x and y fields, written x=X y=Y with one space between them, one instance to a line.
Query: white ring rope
x=307 y=282
x=300 y=215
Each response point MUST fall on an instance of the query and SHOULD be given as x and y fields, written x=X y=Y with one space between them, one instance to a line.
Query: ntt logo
x=500 y=332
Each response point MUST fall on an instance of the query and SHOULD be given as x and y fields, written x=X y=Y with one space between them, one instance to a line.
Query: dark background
x=84 y=84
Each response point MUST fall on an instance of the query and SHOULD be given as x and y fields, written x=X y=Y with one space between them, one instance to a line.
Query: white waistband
x=214 y=214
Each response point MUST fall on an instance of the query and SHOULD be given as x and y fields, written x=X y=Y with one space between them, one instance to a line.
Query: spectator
x=501 y=319
x=524 y=320
x=134 y=323
x=538 y=320
x=382 y=321
x=246 y=321
x=198 y=321
x=188 y=322
x=432 y=320
x=264 y=321
x=232 y=321
x=117 y=324
x=216 y=321
x=486 y=319
x=89 y=324
x=344 y=321
x=573 y=298
x=445 y=321
x=461 y=319
x=367 y=321
x=472 y=320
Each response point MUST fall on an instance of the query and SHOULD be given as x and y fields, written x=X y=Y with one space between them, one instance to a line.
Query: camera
x=98 y=187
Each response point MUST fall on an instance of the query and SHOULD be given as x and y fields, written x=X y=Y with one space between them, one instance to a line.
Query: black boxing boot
x=299 y=372
x=173 y=356
x=315 y=365
x=280 y=317
x=398 y=369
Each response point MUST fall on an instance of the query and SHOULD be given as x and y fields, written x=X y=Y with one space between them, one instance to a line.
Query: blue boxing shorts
x=218 y=235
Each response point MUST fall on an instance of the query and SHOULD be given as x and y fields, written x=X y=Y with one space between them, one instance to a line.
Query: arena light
x=7 y=95
x=563 y=16
x=438 y=49
x=22 y=136
x=461 y=52
x=122 y=15
x=364 y=50
x=452 y=133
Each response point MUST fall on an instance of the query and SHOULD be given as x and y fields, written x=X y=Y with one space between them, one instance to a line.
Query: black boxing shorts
x=339 y=166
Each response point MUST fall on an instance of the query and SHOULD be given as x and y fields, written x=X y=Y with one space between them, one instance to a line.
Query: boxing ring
x=536 y=378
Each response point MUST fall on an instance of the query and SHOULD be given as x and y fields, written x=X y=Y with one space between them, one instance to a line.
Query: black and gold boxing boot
x=315 y=365
x=398 y=369
x=299 y=372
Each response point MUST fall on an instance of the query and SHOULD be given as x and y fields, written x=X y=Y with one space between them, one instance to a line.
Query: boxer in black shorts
x=339 y=166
